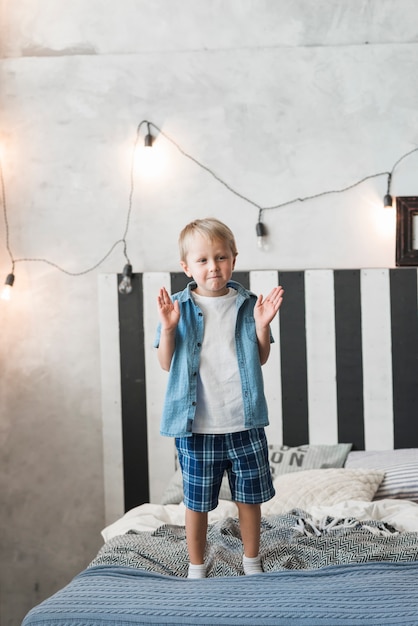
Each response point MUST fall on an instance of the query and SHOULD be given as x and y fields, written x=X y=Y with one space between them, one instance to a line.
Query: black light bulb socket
x=387 y=201
x=10 y=279
x=260 y=229
x=127 y=270
x=149 y=140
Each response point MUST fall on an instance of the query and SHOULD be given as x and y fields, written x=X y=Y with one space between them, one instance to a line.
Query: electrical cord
x=123 y=240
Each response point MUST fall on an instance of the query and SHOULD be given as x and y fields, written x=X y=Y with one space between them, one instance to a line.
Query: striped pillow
x=400 y=481
x=381 y=458
x=400 y=467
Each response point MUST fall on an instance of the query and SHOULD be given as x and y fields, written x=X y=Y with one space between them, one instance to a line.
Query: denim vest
x=181 y=394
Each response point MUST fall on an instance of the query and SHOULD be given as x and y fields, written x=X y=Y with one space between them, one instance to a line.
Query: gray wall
x=282 y=100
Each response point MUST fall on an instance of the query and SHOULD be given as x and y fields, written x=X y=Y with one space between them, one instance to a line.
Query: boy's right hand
x=168 y=310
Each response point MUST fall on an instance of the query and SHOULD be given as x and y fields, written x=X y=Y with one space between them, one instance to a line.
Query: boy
x=213 y=338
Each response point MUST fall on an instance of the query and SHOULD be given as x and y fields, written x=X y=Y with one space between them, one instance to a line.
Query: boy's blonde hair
x=209 y=227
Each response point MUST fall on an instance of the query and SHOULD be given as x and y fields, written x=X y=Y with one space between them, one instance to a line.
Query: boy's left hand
x=265 y=310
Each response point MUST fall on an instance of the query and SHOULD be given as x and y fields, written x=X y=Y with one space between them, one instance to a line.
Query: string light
x=9 y=281
x=261 y=232
x=149 y=138
x=125 y=285
x=387 y=200
x=260 y=226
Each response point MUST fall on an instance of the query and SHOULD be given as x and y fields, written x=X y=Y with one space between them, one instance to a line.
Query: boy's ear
x=233 y=262
x=186 y=269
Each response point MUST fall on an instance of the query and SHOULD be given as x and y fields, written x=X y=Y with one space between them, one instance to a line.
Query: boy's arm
x=263 y=338
x=264 y=311
x=169 y=313
x=166 y=348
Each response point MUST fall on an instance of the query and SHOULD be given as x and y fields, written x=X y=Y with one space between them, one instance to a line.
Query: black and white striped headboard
x=344 y=368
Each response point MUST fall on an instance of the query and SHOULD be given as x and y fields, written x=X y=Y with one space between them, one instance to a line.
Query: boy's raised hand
x=265 y=310
x=168 y=310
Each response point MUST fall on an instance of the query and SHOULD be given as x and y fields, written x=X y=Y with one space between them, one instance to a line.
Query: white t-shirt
x=219 y=392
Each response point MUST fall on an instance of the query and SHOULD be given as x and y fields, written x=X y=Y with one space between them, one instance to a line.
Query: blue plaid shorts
x=205 y=458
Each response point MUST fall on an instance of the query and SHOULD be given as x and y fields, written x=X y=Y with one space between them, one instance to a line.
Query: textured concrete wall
x=282 y=100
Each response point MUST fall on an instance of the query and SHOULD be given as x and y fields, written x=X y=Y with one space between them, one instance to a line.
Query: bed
x=339 y=541
x=339 y=546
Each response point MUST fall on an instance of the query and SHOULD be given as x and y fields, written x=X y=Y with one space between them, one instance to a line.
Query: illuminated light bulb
x=150 y=160
x=6 y=294
x=125 y=285
x=261 y=231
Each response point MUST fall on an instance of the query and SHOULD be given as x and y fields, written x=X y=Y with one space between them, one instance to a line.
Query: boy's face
x=210 y=264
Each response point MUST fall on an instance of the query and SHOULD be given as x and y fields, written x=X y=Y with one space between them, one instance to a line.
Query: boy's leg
x=251 y=483
x=250 y=521
x=196 y=529
x=202 y=469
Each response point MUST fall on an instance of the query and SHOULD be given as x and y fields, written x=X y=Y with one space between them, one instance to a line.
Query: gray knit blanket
x=293 y=541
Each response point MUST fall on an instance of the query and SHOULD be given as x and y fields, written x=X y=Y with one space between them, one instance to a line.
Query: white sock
x=252 y=565
x=197 y=571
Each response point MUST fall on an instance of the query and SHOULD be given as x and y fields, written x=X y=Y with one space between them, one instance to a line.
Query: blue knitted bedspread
x=340 y=573
x=368 y=594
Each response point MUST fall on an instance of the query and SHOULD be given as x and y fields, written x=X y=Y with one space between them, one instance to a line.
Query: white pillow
x=301 y=490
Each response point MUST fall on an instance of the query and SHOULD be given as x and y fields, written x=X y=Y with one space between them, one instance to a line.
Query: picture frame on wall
x=406 y=230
